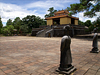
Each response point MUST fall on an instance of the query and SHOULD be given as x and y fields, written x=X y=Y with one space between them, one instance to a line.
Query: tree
x=17 y=23
x=5 y=31
x=32 y=22
x=88 y=23
x=97 y=23
x=94 y=24
x=1 y=25
x=9 y=22
x=51 y=12
x=24 y=29
x=91 y=27
x=87 y=6
x=81 y=23
x=8 y=30
x=43 y=22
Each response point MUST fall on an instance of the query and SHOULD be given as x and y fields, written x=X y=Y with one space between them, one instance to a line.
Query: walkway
x=40 y=56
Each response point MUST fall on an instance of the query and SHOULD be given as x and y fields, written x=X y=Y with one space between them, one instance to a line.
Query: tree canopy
x=97 y=22
x=8 y=30
x=51 y=12
x=81 y=23
x=1 y=25
x=23 y=26
x=17 y=23
x=9 y=22
x=33 y=22
x=89 y=7
x=88 y=23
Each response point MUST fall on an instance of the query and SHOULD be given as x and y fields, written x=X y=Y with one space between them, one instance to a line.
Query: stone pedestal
x=66 y=71
x=95 y=50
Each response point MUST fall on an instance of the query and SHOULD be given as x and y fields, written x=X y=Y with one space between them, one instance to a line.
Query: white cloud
x=43 y=6
x=84 y=18
x=11 y=11
x=47 y=4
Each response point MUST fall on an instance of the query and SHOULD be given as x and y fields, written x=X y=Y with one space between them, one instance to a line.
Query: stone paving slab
x=21 y=55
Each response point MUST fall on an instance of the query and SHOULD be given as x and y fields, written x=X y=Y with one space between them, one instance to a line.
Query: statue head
x=67 y=27
x=95 y=30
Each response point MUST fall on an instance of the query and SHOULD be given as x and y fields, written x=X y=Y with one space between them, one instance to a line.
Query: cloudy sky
x=10 y=9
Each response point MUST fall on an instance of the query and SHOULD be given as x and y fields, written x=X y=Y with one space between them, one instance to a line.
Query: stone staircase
x=42 y=32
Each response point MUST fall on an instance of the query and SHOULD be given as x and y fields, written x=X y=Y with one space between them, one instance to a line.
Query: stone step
x=42 y=34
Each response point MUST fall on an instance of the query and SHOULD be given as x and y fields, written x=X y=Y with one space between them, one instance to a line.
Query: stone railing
x=49 y=32
x=39 y=32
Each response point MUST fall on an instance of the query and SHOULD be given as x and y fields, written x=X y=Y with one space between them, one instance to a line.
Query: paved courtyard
x=22 y=55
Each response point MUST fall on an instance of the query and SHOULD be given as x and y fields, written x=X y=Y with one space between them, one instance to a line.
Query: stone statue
x=95 y=42
x=65 y=58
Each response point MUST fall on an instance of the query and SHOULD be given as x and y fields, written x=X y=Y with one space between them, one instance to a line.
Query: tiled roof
x=62 y=11
x=60 y=16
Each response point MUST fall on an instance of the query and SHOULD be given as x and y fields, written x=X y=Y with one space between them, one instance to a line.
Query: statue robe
x=65 y=58
x=95 y=40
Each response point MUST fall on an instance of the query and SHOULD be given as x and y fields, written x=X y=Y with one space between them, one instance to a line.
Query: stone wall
x=35 y=30
x=58 y=30
x=61 y=32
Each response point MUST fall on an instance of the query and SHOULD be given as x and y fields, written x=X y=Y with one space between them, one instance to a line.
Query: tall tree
x=51 y=12
x=81 y=23
x=1 y=25
x=17 y=23
x=88 y=6
x=9 y=22
x=88 y=23
x=32 y=22
x=8 y=30
x=96 y=23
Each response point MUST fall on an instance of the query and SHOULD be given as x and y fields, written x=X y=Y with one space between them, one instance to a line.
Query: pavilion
x=56 y=23
x=62 y=17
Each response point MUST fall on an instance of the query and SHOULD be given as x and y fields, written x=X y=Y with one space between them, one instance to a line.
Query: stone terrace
x=40 y=56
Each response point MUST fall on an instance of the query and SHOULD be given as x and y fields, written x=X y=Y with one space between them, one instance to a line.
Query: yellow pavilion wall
x=76 y=22
x=50 y=22
x=65 y=20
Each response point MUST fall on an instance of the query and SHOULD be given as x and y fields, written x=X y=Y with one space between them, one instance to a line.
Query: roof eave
x=61 y=17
